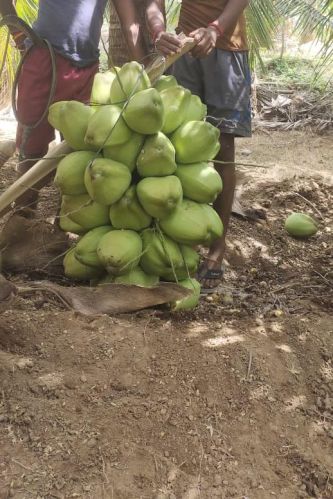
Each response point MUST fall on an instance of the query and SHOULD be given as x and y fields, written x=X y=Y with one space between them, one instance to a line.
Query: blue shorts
x=223 y=82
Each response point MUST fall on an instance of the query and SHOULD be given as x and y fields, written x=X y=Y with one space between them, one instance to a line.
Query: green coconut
x=175 y=101
x=188 y=268
x=193 y=223
x=196 y=141
x=67 y=225
x=76 y=270
x=130 y=79
x=157 y=157
x=128 y=213
x=195 y=110
x=70 y=172
x=71 y=118
x=84 y=211
x=126 y=153
x=120 y=251
x=161 y=255
x=106 y=180
x=100 y=92
x=86 y=248
x=137 y=277
x=165 y=81
x=107 y=127
x=145 y=113
x=160 y=196
x=300 y=225
x=190 y=302
x=55 y=113
x=200 y=182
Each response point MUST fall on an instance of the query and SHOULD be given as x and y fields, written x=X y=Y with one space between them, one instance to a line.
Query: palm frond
x=262 y=23
x=172 y=9
x=27 y=10
x=316 y=17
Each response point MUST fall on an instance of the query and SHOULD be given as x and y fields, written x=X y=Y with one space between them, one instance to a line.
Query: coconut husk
x=32 y=246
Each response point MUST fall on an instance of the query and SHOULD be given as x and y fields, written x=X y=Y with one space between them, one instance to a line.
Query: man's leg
x=227 y=95
x=222 y=205
x=32 y=144
x=73 y=83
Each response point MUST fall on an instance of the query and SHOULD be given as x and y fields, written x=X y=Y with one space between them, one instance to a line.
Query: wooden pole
x=40 y=170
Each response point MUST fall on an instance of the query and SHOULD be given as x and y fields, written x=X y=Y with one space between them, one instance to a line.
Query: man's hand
x=205 y=41
x=167 y=43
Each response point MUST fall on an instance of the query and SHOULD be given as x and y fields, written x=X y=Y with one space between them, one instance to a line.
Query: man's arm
x=167 y=43
x=7 y=9
x=206 y=37
x=128 y=18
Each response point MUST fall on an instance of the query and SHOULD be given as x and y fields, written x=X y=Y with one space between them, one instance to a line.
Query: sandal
x=213 y=274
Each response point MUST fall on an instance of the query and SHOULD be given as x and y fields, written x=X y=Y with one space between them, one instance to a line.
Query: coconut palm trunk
x=118 y=51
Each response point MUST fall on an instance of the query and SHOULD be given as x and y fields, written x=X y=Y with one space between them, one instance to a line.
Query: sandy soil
x=233 y=400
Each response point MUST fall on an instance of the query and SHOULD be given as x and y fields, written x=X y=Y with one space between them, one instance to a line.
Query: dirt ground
x=233 y=400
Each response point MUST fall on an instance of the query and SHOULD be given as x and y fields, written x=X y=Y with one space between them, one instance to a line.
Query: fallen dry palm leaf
x=110 y=298
x=285 y=108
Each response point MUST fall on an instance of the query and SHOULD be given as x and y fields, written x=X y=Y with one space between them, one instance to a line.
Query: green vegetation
x=296 y=72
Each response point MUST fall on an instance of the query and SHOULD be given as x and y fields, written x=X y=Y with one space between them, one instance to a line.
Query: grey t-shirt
x=73 y=27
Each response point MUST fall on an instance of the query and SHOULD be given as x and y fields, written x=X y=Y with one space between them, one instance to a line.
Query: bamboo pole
x=36 y=173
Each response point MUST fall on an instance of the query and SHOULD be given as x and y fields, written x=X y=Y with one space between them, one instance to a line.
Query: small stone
x=70 y=383
x=24 y=363
x=228 y=299
x=83 y=378
x=246 y=152
x=217 y=480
